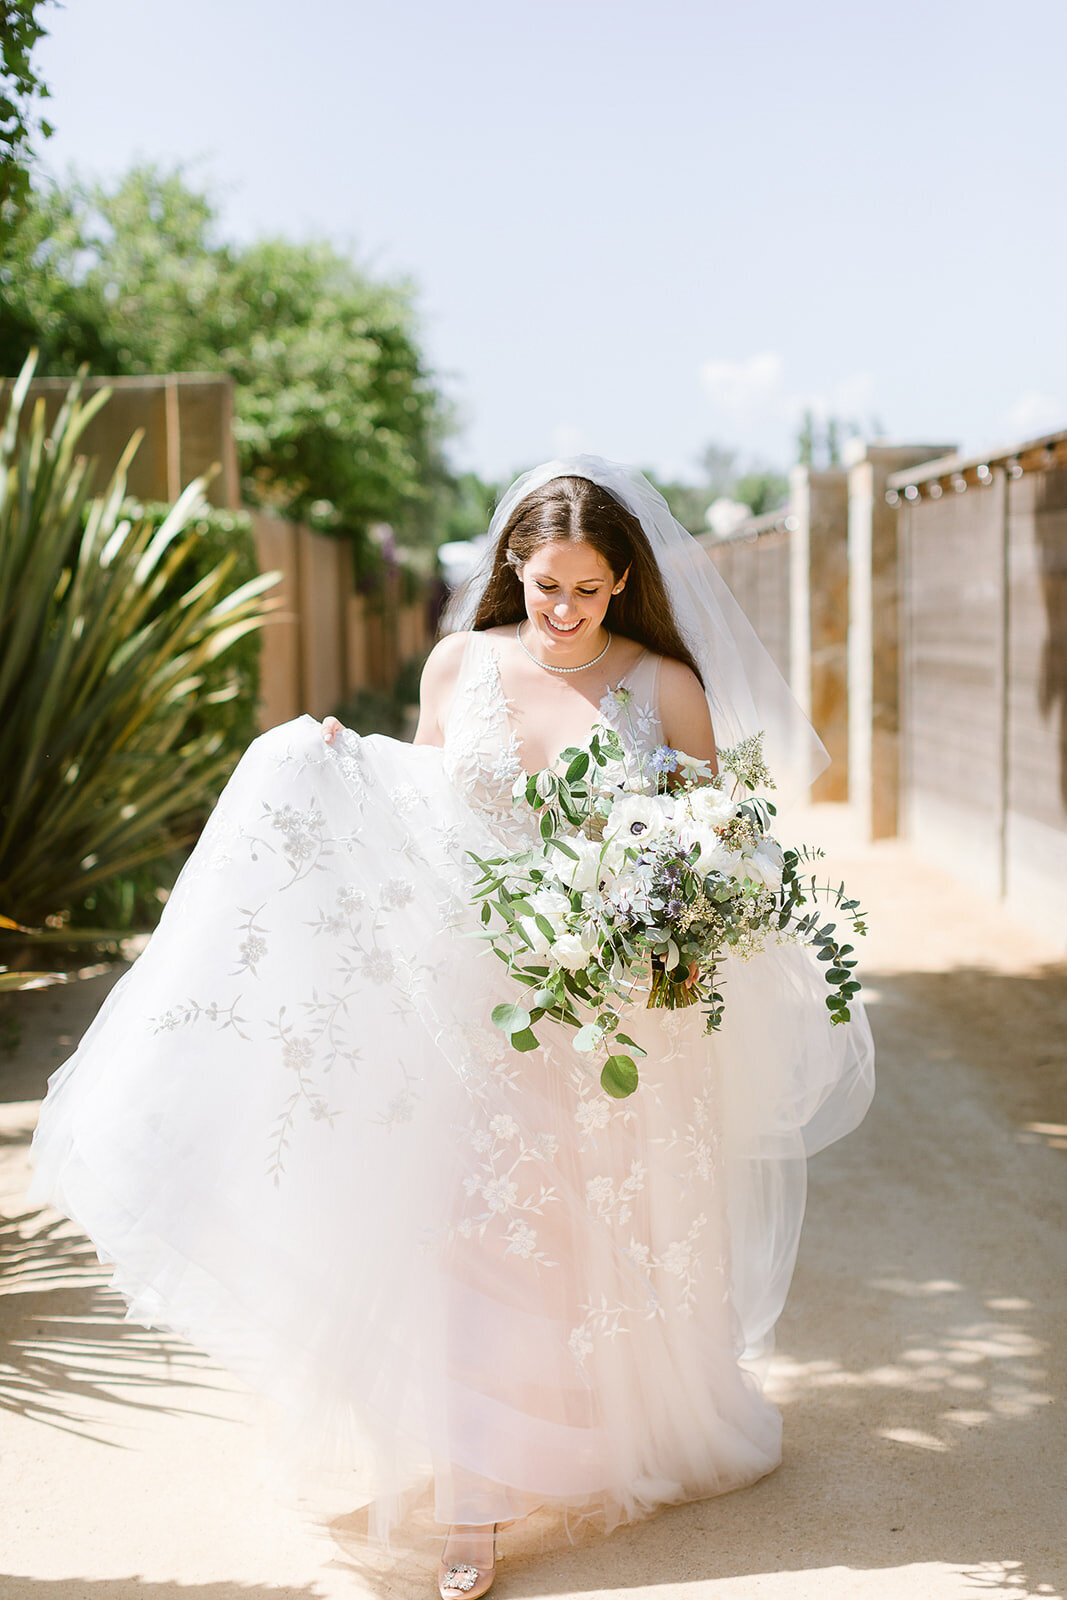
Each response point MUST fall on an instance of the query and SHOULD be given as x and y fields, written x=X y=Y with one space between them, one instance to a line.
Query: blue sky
x=635 y=228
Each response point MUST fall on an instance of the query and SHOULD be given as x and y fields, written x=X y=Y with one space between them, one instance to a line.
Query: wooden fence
x=917 y=602
x=326 y=642
x=984 y=670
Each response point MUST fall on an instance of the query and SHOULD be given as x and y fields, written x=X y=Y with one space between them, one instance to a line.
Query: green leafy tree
x=762 y=489
x=337 y=416
x=806 y=443
x=821 y=447
x=20 y=87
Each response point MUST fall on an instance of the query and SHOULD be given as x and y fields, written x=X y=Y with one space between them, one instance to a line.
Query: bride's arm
x=684 y=712
x=435 y=692
x=436 y=687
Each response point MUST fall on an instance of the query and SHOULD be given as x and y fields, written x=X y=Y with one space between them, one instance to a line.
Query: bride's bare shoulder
x=678 y=681
x=440 y=676
x=684 y=709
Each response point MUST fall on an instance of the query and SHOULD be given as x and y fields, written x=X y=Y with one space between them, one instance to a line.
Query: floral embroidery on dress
x=515 y=1182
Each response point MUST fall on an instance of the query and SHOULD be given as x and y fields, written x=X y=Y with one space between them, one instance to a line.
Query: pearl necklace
x=548 y=665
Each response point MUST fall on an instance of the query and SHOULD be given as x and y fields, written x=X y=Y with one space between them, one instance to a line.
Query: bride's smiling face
x=567 y=588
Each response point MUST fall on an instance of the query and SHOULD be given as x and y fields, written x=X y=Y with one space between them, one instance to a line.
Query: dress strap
x=643 y=681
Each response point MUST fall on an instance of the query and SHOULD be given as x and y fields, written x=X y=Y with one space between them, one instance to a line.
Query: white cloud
x=752 y=404
x=752 y=385
x=1031 y=415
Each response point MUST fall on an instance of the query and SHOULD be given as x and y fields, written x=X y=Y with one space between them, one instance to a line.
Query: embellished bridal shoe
x=461 y=1581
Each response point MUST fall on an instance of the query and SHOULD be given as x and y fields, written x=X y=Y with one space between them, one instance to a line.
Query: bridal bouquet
x=648 y=871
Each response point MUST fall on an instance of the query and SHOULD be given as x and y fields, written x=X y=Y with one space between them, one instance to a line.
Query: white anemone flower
x=638 y=818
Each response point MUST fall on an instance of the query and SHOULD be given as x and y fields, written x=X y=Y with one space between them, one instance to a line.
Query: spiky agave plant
x=99 y=769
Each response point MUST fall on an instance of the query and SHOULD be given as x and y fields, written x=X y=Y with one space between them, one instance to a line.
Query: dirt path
x=920 y=1350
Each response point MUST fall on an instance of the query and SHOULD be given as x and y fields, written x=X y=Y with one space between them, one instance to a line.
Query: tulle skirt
x=296 y=1136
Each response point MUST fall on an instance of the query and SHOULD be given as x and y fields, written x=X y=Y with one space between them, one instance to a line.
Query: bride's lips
x=561 y=633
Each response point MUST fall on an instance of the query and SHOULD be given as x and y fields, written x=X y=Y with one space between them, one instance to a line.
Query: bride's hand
x=331 y=728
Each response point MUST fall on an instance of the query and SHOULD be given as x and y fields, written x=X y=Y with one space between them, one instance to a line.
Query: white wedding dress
x=294 y=1131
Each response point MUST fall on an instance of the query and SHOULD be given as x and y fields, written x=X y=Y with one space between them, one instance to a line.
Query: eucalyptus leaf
x=619 y=1077
x=510 y=1019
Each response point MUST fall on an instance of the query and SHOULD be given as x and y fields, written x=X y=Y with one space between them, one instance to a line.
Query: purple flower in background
x=663 y=759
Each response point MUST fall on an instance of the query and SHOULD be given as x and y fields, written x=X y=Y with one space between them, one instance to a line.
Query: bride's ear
x=620 y=583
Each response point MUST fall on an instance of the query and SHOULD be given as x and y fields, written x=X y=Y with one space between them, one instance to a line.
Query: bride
x=296 y=1135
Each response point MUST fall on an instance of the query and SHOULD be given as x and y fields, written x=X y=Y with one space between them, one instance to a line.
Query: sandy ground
x=918 y=1360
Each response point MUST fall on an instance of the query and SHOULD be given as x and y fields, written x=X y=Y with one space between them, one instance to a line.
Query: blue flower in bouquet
x=663 y=759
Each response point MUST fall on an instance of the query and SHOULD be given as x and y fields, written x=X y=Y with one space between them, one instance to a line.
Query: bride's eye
x=549 y=588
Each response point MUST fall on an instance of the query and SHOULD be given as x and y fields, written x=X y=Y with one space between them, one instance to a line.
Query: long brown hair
x=578 y=511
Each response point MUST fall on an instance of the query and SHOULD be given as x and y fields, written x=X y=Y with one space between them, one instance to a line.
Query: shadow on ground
x=917 y=1358
x=13 y=1587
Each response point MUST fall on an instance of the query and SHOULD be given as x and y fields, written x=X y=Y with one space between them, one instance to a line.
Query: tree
x=822 y=447
x=337 y=416
x=762 y=489
x=759 y=487
x=20 y=86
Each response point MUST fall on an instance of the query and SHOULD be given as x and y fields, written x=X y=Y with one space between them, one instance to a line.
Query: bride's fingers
x=331 y=728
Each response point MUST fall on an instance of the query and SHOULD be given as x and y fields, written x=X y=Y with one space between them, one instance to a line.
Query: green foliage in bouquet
x=110 y=651
x=648 y=873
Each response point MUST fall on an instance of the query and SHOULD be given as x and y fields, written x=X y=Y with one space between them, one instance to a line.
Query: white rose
x=612 y=862
x=736 y=865
x=713 y=857
x=537 y=938
x=551 y=903
x=568 y=951
x=709 y=806
x=766 y=863
x=583 y=874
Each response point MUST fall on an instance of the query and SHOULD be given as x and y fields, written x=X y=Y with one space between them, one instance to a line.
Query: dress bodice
x=481 y=746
